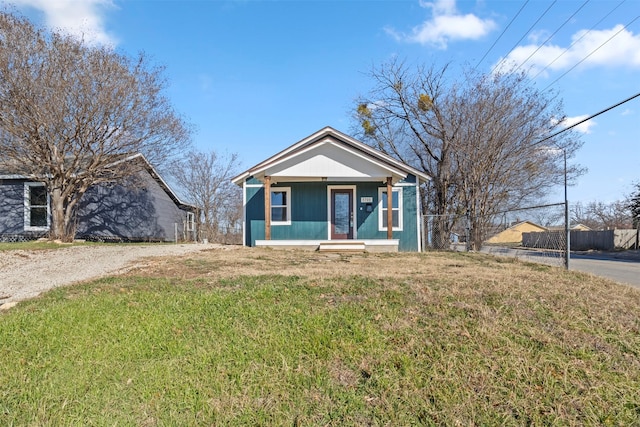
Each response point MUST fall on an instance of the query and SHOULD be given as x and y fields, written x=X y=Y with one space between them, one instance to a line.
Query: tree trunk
x=62 y=223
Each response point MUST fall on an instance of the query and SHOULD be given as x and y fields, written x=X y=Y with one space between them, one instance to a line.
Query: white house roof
x=330 y=155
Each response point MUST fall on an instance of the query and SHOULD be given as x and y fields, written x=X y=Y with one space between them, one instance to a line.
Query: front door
x=342 y=213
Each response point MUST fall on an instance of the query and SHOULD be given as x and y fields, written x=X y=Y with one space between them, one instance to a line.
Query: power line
x=589 y=118
x=523 y=36
x=551 y=36
x=501 y=34
x=580 y=38
x=591 y=53
x=549 y=205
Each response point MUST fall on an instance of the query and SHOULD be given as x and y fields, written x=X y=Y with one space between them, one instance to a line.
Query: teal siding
x=409 y=240
x=368 y=221
x=254 y=215
x=368 y=227
x=309 y=214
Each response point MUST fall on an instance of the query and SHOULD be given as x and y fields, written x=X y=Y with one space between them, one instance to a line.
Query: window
x=396 y=209
x=280 y=206
x=191 y=219
x=36 y=207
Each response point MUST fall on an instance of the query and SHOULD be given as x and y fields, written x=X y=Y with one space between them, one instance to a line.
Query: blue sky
x=254 y=77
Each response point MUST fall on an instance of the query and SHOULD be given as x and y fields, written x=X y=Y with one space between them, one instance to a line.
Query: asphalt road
x=614 y=266
x=622 y=267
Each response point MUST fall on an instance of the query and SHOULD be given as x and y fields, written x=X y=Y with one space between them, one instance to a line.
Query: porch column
x=267 y=208
x=389 y=209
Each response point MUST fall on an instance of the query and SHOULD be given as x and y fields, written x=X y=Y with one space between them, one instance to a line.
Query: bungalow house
x=330 y=191
x=144 y=208
x=513 y=234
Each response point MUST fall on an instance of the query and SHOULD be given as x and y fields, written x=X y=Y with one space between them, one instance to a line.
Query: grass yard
x=38 y=245
x=261 y=337
x=34 y=245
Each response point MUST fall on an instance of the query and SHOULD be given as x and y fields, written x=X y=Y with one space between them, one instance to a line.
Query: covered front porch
x=359 y=245
x=330 y=192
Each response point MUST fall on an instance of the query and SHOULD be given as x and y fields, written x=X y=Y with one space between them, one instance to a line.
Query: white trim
x=354 y=212
x=244 y=213
x=287 y=191
x=382 y=226
x=370 y=245
x=322 y=135
x=419 y=218
x=190 y=221
x=252 y=185
x=27 y=207
x=390 y=170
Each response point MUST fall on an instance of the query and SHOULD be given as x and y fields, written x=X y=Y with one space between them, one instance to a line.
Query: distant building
x=513 y=234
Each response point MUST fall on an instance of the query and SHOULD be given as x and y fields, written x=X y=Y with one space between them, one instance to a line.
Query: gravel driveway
x=25 y=274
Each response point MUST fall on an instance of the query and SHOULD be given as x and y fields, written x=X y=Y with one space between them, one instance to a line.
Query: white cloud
x=440 y=7
x=446 y=25
x=620 y=47
x=627 y=112
x=583 y=127
x=80 y=18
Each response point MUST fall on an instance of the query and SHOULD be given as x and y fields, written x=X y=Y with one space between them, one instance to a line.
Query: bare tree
x=71 y=113
x=633 y=204
x=548 y=216
x=479 y=138
x=602 y=216
x=205 y=179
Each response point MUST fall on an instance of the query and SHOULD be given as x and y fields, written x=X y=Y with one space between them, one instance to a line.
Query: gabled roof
x=331 y=155
x=527 y=222
x=163 y=184
x=581 y=227
x=134 y=157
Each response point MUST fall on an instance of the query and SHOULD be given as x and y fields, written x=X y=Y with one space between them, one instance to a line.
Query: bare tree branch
x=206 y=180
x=477 y=138
x=70 y=111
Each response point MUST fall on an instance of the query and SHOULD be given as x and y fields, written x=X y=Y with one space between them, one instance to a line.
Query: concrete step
x=342 y=246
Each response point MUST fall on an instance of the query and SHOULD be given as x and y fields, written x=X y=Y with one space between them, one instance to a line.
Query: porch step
x=342 y=246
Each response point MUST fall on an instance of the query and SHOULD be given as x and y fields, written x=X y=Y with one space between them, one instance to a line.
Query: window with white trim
x=280 y=205
x=396 y=208
x=37 y=215
x=191 y=220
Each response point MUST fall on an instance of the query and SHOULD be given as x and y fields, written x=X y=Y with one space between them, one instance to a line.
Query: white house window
x=36 y=207
x=191 y=219
x=396 y=209
x=280 y=206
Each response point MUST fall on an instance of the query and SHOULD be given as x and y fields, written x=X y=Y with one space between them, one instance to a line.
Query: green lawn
x=522 y=345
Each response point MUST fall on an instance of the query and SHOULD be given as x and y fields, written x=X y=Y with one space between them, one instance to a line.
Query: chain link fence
x=535 y=234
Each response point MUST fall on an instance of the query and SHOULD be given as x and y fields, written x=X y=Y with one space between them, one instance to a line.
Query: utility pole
x=567 y=232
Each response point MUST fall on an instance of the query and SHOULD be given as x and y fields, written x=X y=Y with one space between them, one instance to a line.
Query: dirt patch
x=25 y=274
